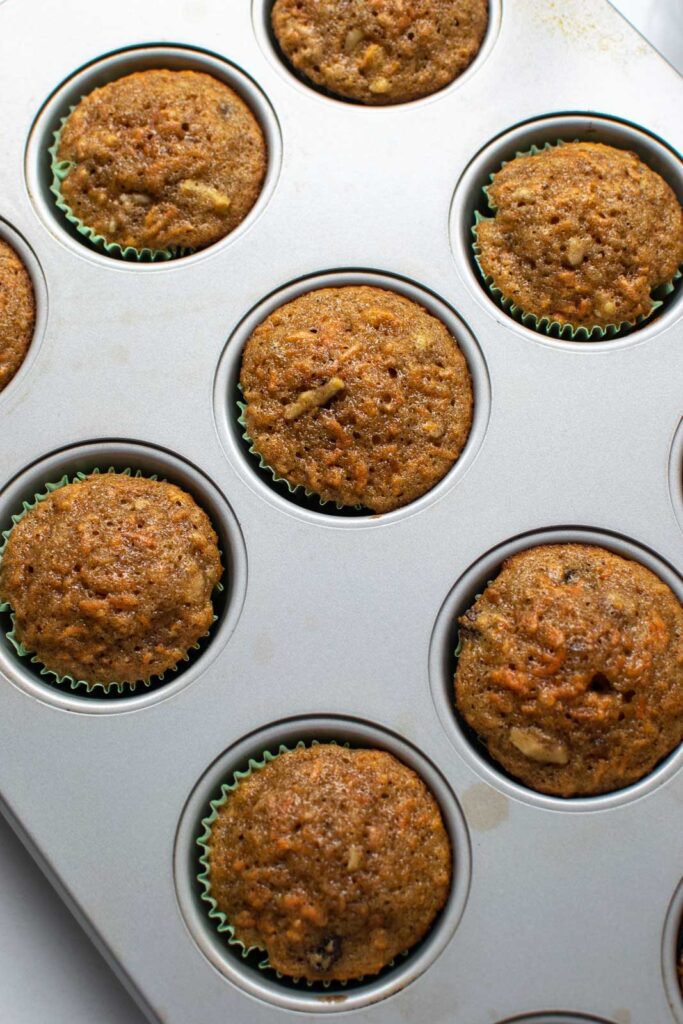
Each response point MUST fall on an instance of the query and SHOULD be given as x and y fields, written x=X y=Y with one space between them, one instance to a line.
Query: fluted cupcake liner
x=60 y=170
x=292 y=488
x=54 y=678
x=546 y=325
x=203 y=841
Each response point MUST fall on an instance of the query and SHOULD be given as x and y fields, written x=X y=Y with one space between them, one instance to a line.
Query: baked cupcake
x=17 y=313
x=160 y=160
x=333 y=861
x=357 y=394
x=581 y=236
x=109 y=579
x=571 y=669
x=380 y=52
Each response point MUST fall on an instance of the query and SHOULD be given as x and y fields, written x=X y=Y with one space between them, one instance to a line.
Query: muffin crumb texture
x=357 y=394
x=162 y=160
x=380 y=51
x=110 y=578
x=17 y=313
x=331 y=860
x=582 y=235
x=571 y=669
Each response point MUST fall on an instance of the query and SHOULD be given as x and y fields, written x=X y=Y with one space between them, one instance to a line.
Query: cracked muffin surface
x=110 y=578
x=17 y=313
x=571 y=669
x=162 y=159
x=380 y=51
x=332 y=860
x=357 y=394
x=582 y=234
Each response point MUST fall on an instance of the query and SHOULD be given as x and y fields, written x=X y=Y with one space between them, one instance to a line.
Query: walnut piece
x=380 y=85
x=206 y=195
x=355 y=858
x=353 y=37
x=314 y=398
x=576 y=250
x=537 y=747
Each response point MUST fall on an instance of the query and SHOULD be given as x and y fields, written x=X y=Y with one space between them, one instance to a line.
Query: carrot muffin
x=331 y=860
x=571 y=669
x=162 y=160
x=357 y=394
x=17 y=313
x=110 y=578
x=582 y=234
x=381 y=51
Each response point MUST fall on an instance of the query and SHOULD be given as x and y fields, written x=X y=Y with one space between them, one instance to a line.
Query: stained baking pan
x=342 y=626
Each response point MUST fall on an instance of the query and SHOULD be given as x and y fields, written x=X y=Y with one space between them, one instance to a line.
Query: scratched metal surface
x=345 y=618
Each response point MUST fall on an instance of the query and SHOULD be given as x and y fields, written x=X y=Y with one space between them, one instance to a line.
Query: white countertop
x=661 y=22
x=49 y=971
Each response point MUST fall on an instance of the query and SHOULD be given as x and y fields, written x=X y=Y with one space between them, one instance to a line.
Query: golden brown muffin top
x=17 y=313
x=110 y=578
x=571 y=669
x=162 y=159
x=380 y=51
x=332 y=860
x=357 y=394
x=582 y=234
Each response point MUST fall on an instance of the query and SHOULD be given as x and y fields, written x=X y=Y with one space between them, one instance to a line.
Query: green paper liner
x=60 y=170
x=553 y=328
x=218 y=918
x=53 y=678
x=292 y=488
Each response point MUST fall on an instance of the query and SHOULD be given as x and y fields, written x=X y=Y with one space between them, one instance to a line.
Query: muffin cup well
x=217 y=916
x=262 y=10
x=672 y=953
x=443 y=660
x=546 y=325
x=54 y=678
x=60 y=170
x=229 y=409
x=279 y=991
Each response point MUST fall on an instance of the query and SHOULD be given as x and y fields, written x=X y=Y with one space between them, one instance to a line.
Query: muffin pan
x=339 y=626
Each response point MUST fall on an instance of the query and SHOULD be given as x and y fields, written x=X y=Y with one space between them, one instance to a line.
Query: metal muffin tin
x=332 y=625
